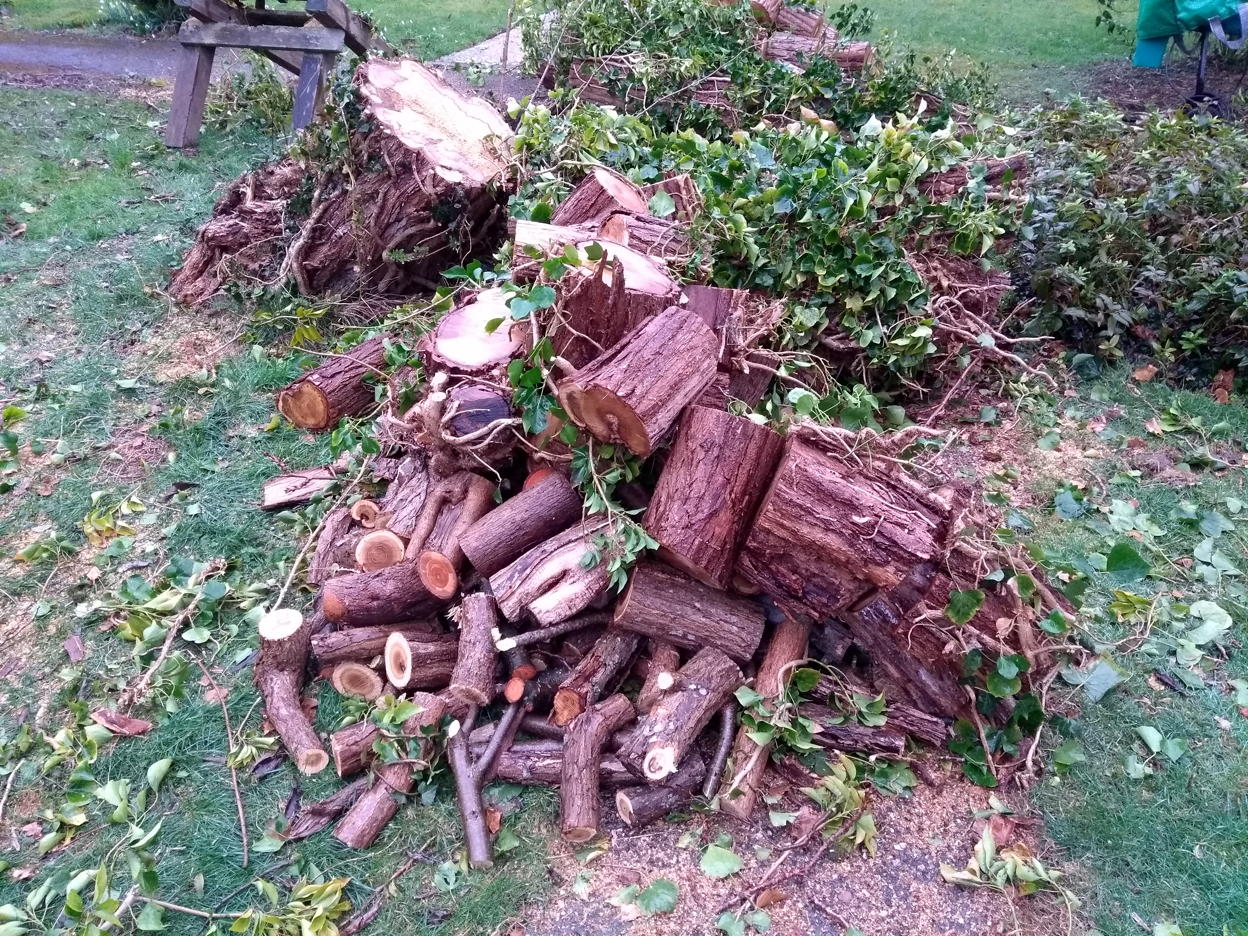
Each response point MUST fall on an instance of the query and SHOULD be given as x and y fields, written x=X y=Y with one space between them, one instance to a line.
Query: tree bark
x=663 y=738
x=335 y=547
x=839 y=735
x=598 y=195
x=460 y=343
x=632 y=394
x=599 y=671
x=641 y=805
x=550 y=582
x=748 y=761
x=352 y=747
x=662 y=603
x=296 y=488
x=661 y=238
x=362 y=824
x=540 y=763
x=386 y=596
x=827 y=533
x=706 y=497
x=279 y=675
x=520 y=523
x=405 y=497
x=473 y=679
x=338 y=388
x=802 y=21
x=579 y=805
x=660 y=673
x=430 y=647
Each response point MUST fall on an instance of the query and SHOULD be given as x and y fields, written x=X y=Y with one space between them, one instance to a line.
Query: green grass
x=51 y=14
x=108 y=210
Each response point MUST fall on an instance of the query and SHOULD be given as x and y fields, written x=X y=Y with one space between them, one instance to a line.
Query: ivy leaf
x=1125 y=564
x=730 y=924
x=1002 y=686
x=1069 y=753
x=151 y=919
x=1067 y=506
x=659 y=897
x=661 y=204
x=1049 y=441
x=719 y=862
x=963 y=605
x=1213 y=524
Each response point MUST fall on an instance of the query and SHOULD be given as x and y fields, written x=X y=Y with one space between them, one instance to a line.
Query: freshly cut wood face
x=461 y=338
x=424 y=113
x=305 y=405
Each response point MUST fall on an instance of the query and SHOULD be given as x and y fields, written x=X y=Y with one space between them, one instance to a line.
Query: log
x=540 y=763
x=660 y=673
x=473 y=679
x=667 y=733
x=430 y=647
x=601 y=193
x=900 y=717
x=598 y=672
x=379 y=549
x=660 y=602
x=362 y=824
x=748 y=761
x=684 y=192
x=837 y=734
x=335 y=547
x=802 y=21
x=352 y=747
x=796 y=51
x=472 y=413
x=342 y=386
x=632 y=394
x=296 y=488
x=531 y=517
x=533 y=242
x=827 y=533
x=357 y=680
x=579 y=805
x=405 y=497
x=476 y=503
x=551 y=582
x=278 y=674
x=468 y=798
x=317 y=816
x=606 y=300
x=655 y=237
x=386 y=596
x=461 y=343
x=641 y=805
x=704 y=503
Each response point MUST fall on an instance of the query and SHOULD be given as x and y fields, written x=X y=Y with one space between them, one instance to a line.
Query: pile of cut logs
x=465 y=573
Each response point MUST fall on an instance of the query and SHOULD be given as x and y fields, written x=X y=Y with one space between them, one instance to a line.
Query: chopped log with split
x=551 y=582
x=633 y=394
x=531 y=517
x=473 y=679
x=715 y=476
x=667 y=733
x=641 y=805
x=664 y=604
x=601 y=193
x=579 y=803
x=339 y=387
x=595 y=675
x=279 y=671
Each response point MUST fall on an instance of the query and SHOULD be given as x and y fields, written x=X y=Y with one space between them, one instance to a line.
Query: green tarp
x=1163 y=20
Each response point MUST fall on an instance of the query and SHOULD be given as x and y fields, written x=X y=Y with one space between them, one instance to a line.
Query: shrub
x=140 y=16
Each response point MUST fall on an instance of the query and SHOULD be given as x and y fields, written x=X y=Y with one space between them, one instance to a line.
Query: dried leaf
x=1144 y=374
x=120 y=724
x=75 y=649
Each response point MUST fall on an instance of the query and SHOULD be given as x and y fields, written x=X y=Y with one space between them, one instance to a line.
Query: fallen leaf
x=770 y=897
x=493 y=820
x=216 y=696
x=32 y=830
x=1223 y=384
x=1002 y=828
x=121 y=724
x=75 y=649
x=1144 y=374
x=1153 y=426
x=24 y=874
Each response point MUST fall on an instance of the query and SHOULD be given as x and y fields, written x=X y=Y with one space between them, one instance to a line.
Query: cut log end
x=438 y=574
x=365 y=513
x=357 y=680
x=660 y=762
x=624 y=806
x=280 y=623
x=379 y=549
x=398 y=660
x=664 y=681
x=311 y=762
x=538 y=476
x=579 y=834
x=608 y=417
x=567 y=705
x=304 y=405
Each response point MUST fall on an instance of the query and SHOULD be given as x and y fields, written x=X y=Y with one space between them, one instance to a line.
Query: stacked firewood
x=476 y=580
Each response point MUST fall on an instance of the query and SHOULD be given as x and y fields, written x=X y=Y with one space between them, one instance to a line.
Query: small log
x=599 y=671
x=534 y=725
x=660 y=673
x=550 y=582
x=534 y=515
x=468 y=797
x=534 y=242
x=796 y=51
x=397 y=658
x=838 y=734
x=748 y=761
x=801 y=20
x=684 y=192
x=430 y=647
x=660 y=602
x=357 y=680
x=278 y=674
x=335 y=547
x=386 y=596
x=473 y=679
x=362 y=824
x=715 y=476
x=379 y=549
x=540 y=763
x=901 y=717
x=666 y=734
x=352 y=747
x=641 y=805
x=460 y=343
x=655 y=237
x=632 y=394
x=339 y=387
x=544 y=634
x=296 y=488
x=579 y=805
x=317 y=816
x=598 y=195
x=827 y=533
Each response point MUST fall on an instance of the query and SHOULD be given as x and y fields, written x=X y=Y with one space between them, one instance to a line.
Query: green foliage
x=256 y=96
x=140 y=16
x=1122 y=242
x=1012 y=869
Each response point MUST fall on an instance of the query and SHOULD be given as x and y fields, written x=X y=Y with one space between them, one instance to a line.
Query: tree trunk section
x=379 y=549
x=666 y=240
x=579 y=807
x=633 y=394
x=663 y=738
x=550 y=582
x=279 y=675
x=601 y=193
x=598 y=672
x=748 y=761
x=641 y=805
x=705 y=499
x=473 y=679
x=517 y=525
x=338 y=388
x=460 y=344
x=661 y=603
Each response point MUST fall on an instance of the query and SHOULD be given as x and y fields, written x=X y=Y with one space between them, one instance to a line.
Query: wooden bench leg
x=310 y=90
x=190 y=91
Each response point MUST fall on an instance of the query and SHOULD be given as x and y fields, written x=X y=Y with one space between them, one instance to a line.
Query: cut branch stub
x=551 y=581
x=461 y=342
x=665 y=735
x=579 y=804
x=662 y=603
x=534 y=515
x=706 y=497
x=338 y=388
x=278 y=674
x=633 y=394
x=598 y=195
x=595 y=674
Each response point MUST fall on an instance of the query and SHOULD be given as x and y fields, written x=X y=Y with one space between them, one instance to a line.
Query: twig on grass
x=229 y=740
